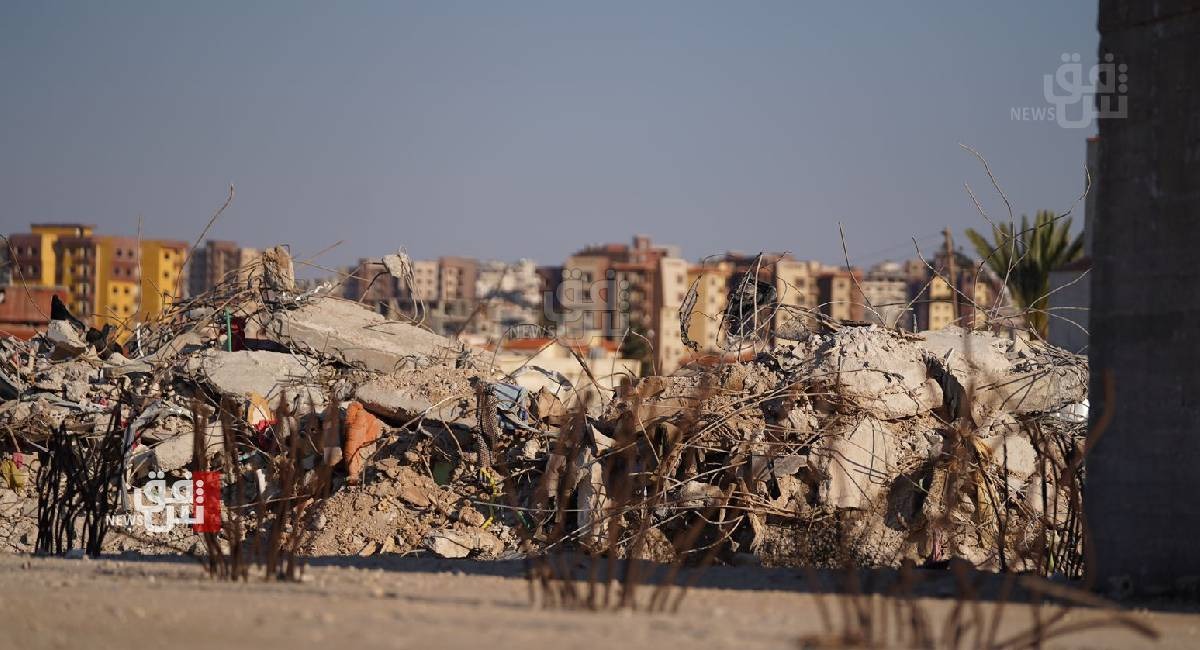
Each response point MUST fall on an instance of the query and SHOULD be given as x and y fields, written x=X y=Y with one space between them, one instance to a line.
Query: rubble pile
x=856 y=439
x=882 y=444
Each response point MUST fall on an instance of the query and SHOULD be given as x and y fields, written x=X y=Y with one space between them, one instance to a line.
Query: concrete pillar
x=1143 y=482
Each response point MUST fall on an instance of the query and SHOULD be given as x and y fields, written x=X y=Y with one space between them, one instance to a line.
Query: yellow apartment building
x=108 y=279
x=49 y=234
x=162 y=275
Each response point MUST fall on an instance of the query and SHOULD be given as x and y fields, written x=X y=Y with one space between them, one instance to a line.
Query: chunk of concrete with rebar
x=347 y=331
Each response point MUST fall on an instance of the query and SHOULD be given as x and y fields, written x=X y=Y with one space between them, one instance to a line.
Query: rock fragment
x=455 y=543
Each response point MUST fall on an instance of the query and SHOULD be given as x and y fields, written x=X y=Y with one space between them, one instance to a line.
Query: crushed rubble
x=856 y=427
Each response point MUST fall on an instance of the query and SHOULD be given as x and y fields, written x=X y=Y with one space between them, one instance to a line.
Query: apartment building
x=370 y=283
x=966 y=303
x=586 y=295
x=510 y=295
x=607 y=288
x=670 y=291
x=885 y=289
x=517 y=281
x=217 y=261
x=797 y=291
x=118 y=277
x=444 y=293
x=162 y=275
x=103 y=279
x=708 y=313
x=839 y=294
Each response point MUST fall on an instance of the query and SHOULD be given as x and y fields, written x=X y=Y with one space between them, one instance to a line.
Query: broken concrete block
x=399 y=403
x=331 y=434
x=169 y=455
x=278 y=272
x=860 y=463
x=653 y=400
x=189 y=341
x=238 y=374
x=358 y=336
x=413 y=488
x=764 y=465
x=69 y=379
x=454 y=543
x=167 y=443
x=1013 y=449
x=877 y=371
x=789 y=465
x=471 y=517
x=67 y=340
x=998 y=380
x=398 y=265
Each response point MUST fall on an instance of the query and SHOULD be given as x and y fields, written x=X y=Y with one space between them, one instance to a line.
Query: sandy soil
x=401 y=603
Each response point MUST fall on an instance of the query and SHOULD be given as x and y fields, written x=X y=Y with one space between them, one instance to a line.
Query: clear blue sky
x=527 y=129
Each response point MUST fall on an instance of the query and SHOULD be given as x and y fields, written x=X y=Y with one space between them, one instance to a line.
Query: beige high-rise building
x=712 y=294
x=839 y=294
x=886 y=296
x=456 y=278
x=219 y=261
x=583 y=296
x=796 y=291
x=425 y=280
x=670 y=292
x=606 y=289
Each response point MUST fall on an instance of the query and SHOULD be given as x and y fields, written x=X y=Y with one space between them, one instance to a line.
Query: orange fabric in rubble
x=362 y=429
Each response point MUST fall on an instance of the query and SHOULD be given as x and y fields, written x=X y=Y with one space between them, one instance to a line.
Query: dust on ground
x=397 y=602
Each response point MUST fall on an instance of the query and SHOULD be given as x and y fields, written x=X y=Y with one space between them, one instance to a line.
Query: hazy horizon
x=532 y=129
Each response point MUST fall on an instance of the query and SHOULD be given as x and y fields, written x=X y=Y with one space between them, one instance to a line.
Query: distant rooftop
x=85 y=226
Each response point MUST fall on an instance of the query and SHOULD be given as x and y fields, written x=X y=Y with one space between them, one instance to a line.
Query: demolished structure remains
x=841 y=442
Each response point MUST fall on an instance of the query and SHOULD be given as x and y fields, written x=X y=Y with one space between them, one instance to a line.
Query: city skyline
x=524 y=130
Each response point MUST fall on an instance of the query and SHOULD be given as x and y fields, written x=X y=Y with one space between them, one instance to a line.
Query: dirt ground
x=402 y=603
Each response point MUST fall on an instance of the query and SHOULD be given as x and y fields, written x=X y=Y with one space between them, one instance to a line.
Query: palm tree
x=1024 y=260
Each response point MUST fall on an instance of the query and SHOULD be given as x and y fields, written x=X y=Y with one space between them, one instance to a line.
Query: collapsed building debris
x=855 y=439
